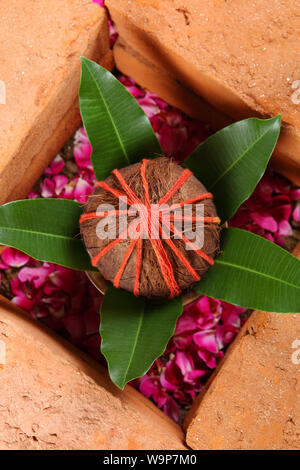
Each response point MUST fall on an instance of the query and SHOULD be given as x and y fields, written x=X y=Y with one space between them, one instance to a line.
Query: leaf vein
x=243 y=268
x=135 y=341
x=235 y=162
x=110 y=116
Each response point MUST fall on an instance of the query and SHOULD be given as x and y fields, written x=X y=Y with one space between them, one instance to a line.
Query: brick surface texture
x=252 y=402
x=219 y=61
x=55 y=397
x=40 y=47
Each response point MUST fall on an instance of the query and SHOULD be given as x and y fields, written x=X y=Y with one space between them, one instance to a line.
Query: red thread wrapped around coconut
x=151 y=256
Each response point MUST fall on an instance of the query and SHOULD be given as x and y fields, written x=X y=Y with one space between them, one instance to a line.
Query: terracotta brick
x=55 y=397
x=40 y=47
x=252 y=402
x=164 y=85
x=240 y=58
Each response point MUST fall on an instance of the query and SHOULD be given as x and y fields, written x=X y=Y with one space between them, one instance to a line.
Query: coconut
x=157 y=255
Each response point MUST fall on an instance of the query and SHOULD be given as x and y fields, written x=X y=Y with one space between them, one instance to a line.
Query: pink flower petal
x=82 y=154
x=296 y=213
x=55 y=167
x=266 y=222
x=37 y=276
x=284 y=228
x=192 y=376
x=230 y=315
x=47 y=188
x=68 y=192
x=33 y=195
x=185 y=324
x=60 y=183
x=206 y=339
x=208 y=358
x=81 y=136
x=148 y=385
x=23 y=302
x=184 y=362
x=14 y=258
x=171 y=409
x=282 y=211
x=168 y=378
x=225 y=335
x=3 y=265
x=82 y=191
x=149 y=106
x=182 y=342
x=295 y=194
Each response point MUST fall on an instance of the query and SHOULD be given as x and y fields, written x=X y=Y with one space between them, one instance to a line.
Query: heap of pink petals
x=66 y=301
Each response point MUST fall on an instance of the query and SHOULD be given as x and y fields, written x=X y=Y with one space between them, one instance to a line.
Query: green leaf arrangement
x=250 y=271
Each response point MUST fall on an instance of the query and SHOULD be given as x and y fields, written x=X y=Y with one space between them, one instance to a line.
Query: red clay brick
x=40 y=46
x=55 y=397
x=252 y=402
x=171 y=90
x=241 y=58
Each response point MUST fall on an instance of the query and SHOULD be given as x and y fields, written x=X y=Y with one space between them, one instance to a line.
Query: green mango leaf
x=231 y=162
x=134 y=332
x=253 y=273
x=45 y=229
x=118 y=129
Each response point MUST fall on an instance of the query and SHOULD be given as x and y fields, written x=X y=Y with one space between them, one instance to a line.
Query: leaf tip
x=120 y=384
x=83 y=60
x=276 y=121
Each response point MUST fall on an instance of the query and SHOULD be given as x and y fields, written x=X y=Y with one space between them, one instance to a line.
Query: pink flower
x=13 y=258
x=82 y=190
x=148 y=385
x=36 y=276
x=22 y=297
x=170 y=408
x=60 y=182
x=170 y=377
x=149 y=105
x=206 y=340
x=210 y=312
x=81 y=136
x=33 y=195
x=68 y=192
x=82 y=155
x=48 y=188
x=296 y=213
x=225 y=334
x=132 y=87
x=284 y=228
x=231 y=315
x=55 y=167
x=208 y=358
x=63 y=278
x=265 y=222
x=206 y=327
x=269 y=210
x=178 y=134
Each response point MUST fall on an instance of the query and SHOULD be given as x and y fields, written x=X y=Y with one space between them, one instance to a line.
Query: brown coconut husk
x=161 y=175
